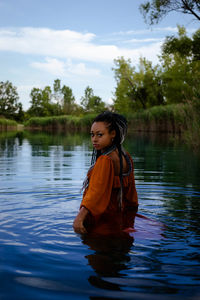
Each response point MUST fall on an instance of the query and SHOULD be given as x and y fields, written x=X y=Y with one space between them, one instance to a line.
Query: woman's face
x=100 y=136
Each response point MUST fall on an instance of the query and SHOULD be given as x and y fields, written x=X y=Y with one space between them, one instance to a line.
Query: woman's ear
x=113 y=134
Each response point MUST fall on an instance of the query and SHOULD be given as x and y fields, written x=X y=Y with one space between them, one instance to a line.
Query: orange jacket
x=101 y=196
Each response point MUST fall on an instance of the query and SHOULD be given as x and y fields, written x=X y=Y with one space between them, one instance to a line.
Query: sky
x=77 y=41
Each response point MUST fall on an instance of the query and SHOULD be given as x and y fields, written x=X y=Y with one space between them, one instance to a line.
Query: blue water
x=42 y=258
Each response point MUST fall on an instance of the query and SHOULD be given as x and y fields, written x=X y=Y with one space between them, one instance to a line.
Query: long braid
x=120 y=176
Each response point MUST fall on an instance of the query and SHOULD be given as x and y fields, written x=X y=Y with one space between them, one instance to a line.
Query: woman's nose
x=94 y=138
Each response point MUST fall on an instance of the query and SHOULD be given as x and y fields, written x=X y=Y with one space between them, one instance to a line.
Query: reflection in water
x=111 y=253
x=42 y=258
x=109 y=258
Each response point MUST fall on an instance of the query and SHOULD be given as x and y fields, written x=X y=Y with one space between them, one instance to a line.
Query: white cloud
x=81 y=69
x=147 y=31
x=61 y=44
x=51 y=65
x=147 y=40
x=56 y=43
x=154 y=30
x=65 y=68
x=150 y=52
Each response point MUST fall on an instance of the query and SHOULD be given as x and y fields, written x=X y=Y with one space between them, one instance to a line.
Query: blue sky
x=77 y=42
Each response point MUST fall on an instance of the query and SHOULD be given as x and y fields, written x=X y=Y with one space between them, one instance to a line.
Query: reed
x=181 y=119
x=6 y=124
x=173 y=118
x=191 y=136
x=60 y=123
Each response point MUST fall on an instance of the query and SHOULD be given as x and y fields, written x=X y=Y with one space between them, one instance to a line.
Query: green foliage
x=181 y=67
x=68 y=100
x=175 y=80
x=155 y=10
x=62 y=123
x=174 y=118
x=9 y=105
x=124 y=75
x=45 y=103
x=136 y=89
x=183 y=45
x=7 y=122
x=92 y=103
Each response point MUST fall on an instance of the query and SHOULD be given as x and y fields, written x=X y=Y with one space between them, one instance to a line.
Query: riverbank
x=6 y=125
x=181 y=120
x=178 y=119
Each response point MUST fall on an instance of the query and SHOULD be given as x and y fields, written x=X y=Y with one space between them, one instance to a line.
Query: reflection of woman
x=110 y=257
x=109 y=189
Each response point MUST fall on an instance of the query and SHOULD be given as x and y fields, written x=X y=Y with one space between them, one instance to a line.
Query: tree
x=85 y=100
x=124 y=75
x=68 y=100
x=57 y=95
x=181 y=67
x=136 y=89
x=9 y=105
x=183 y=45
x=92 y=103
x=155 y=10
x=36 y=108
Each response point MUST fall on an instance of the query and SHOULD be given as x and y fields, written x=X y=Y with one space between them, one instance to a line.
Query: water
x=42 y=258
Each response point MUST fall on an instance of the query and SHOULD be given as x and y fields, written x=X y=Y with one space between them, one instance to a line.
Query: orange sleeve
x=98 y=194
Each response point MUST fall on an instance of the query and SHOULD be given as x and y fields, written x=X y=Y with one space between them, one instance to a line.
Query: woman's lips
x=95 y=145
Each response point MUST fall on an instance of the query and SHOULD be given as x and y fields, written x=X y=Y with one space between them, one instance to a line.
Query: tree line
x=175 y=79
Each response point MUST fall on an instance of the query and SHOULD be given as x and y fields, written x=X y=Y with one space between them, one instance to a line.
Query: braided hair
x=118 y=123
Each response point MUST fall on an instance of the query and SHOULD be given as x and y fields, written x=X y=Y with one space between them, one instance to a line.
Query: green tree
x=68 y=101
x=124 y=75
x=183 y=45
x=196 y=45
x=36 y=108
x=137 y=89
x=57 y=95
x=181 y=67
x=85 y=100
x=92 y=103
x=155 y=10
x=9 y=105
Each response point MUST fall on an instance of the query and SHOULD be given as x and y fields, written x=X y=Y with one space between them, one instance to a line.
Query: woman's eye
x=100 y=134
x=92 y=134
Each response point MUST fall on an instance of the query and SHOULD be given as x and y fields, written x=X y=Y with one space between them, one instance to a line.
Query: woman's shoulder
x=103 y=161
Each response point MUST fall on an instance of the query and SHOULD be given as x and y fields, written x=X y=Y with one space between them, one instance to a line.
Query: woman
x=109 y=189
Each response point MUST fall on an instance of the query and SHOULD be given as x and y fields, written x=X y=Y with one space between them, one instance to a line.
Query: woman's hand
x=78 y=222
x=78 y=226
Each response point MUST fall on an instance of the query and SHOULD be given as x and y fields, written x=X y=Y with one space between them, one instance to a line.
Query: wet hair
x=118 y=123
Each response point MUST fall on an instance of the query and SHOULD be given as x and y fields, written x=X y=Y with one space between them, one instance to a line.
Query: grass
x=173 y=118
x=6 y=124
x=66 y=122
x=182 y=119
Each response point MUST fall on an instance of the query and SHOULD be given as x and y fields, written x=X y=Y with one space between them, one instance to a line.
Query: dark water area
x=42 y=258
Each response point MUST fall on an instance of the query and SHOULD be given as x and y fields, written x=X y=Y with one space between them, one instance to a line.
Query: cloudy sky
x=77 y=42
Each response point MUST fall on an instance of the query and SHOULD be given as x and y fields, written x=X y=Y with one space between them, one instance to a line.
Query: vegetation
x=9 y=105
x=7 y=124
x=92 y=103
x=61 y=123
x=153 y=11
x=175 y=80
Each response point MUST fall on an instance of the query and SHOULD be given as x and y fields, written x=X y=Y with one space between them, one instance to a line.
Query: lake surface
x=42 y=258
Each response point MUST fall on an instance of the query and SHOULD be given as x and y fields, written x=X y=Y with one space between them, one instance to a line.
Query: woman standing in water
x=110 y=199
